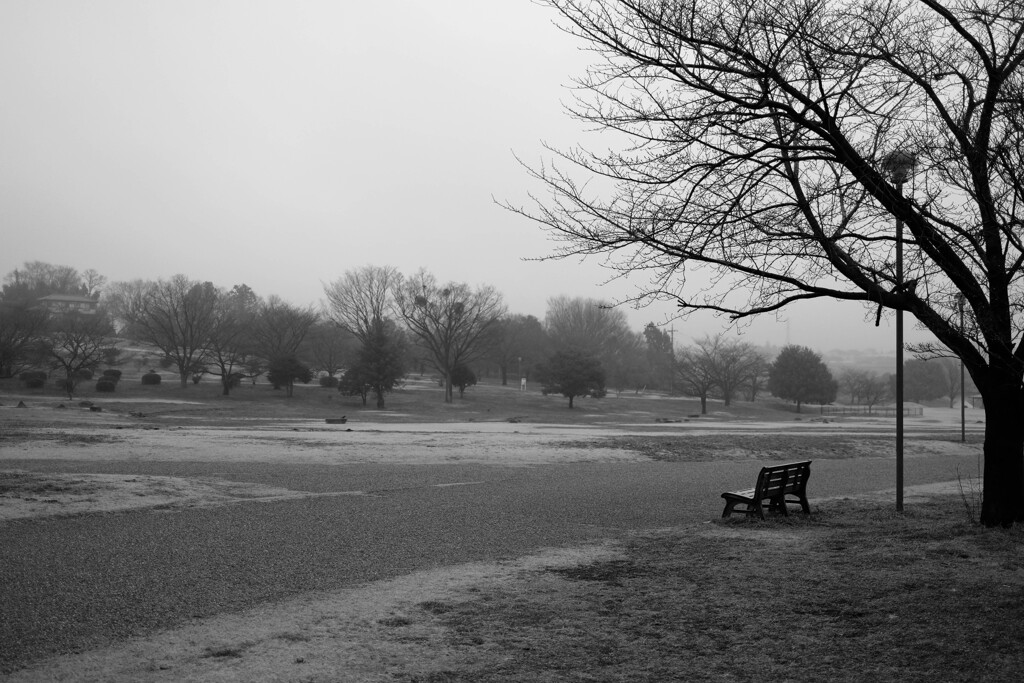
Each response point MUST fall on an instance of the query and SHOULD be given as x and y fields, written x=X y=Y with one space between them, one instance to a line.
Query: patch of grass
x=435 y=607
x=226 y=651
x=854 y=592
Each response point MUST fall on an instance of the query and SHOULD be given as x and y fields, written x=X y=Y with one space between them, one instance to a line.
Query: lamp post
x=963 y=422
x=898 y=165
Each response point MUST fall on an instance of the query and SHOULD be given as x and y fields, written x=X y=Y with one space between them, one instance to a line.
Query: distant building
x=69 y=303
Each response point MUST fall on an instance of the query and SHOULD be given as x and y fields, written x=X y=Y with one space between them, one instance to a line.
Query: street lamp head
x=898 y=164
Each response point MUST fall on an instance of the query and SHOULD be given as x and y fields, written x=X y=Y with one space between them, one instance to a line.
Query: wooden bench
x=773 y=486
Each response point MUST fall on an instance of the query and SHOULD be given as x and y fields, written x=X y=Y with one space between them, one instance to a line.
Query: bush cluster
x=106 y=384
x=329 y=382
x=33 y=379
x=151 y=378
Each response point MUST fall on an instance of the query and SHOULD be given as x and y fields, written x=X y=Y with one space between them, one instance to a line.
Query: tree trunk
x=1003 y=488
x=449 y=396
x=380 y=398
x=704 y=404
x=225 y=383
x=183 y=376
x=570 y=401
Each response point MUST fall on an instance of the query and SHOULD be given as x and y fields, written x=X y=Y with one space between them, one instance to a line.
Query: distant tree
x=733 y=365
x=177 y=316
x=285 y=371
x=92 y=283
x=923 y=380
x=20 y=328
x=572 y=373
x=280 y=328
x=36 y=279
x=330 y=347
x=242 y=297
x=852 y=382
x=361 y=298
x=875 y=390
x=757 y=377
x=660 y=357
x=594 y=327
x=76 y=344
x=798 y=374
x=230 y=344
x=356 y=382
x=695 y=371
x=452 y=321
x=463 y=377
x=519 y=343
x=868 y=388
x=379 y=365
x=951 y=379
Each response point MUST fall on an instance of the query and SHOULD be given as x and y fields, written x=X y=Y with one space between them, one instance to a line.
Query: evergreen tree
x=798 y=374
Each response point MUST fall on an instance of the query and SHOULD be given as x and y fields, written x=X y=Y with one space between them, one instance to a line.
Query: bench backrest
x=782 y=479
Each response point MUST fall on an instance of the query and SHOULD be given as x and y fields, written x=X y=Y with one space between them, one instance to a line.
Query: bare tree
x=597 y=329
x=75 y=343
x=734 y=363
x=331 y=348
x=230 y=344
x=20 y=328
x=361 y=298
x=695 y=371
x=451 y=320
x=93 y=283
x=176 y=315
x=280 y=327
x=868 y=388
x=770 y=144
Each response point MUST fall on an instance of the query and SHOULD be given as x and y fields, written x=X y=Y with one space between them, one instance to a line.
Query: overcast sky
x=279 y=144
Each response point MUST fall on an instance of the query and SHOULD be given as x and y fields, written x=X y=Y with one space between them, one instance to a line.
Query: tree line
x=375 y=326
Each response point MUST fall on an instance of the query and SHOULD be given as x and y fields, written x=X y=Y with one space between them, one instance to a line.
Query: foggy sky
x=279 y=144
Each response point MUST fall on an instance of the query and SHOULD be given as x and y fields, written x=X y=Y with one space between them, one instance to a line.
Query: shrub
x=84 y=373
x=29 y=375
x=151 y=378
x=329 y=382
x=106 y=384
x=112 y=374
x=35 y=382
x=235 y=379
x=65 y=384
